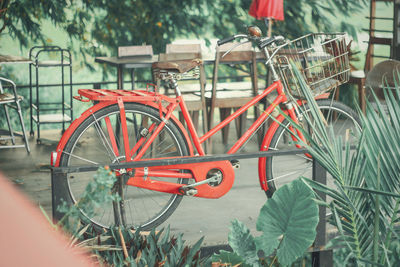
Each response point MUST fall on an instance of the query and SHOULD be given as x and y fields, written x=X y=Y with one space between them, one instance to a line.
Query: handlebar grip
x=225 y=40
x=267 y=42
x=270 y=40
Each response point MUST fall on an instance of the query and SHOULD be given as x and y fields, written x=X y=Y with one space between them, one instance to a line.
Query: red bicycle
x=136 y=125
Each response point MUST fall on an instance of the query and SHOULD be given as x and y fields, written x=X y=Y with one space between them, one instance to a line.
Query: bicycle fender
x=199 y=171
x=262 y=171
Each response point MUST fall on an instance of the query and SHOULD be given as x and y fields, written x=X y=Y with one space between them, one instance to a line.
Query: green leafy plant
x=287 y=222
x=98 y=192
x=366 y=199
x=121 y=246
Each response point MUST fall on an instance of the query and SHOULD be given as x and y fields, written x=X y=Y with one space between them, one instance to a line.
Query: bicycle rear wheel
x=284 y=169
x=91 y=143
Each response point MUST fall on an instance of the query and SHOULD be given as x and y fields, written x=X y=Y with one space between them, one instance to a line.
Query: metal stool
x=12 y=100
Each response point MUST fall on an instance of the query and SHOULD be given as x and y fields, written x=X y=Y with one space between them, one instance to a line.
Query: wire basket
x=322 y=59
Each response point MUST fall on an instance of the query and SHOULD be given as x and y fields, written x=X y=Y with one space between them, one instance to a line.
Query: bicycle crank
x=190 y=190
x=211 y=179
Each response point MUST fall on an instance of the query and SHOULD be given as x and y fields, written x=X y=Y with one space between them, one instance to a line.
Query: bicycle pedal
x=235 y=164
x=188 y=191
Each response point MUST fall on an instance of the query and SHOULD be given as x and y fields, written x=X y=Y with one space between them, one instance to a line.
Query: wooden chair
x=382 y=75
x=228 y=96
x=192 y=91
x=133 y=51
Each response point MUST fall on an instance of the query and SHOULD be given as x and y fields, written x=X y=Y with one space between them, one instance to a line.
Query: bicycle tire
x=81 y=148
x=301 y=165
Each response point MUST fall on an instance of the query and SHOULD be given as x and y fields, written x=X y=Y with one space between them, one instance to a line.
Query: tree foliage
x=100 y=26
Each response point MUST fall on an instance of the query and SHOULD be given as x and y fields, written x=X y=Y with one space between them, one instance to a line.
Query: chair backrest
x=382 y=75
x=182 y=48
x=241 y=53
x=181 y=52
x=135 y=51
x=4 y=97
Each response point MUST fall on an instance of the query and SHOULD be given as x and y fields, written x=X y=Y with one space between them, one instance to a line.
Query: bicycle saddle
x=179 y=66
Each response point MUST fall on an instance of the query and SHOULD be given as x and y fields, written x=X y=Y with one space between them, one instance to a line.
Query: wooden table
x=133 y=63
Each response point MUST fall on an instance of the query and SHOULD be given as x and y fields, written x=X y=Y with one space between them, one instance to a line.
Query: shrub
x=121 y=246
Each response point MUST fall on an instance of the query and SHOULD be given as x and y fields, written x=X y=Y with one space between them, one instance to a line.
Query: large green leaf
x=288 y=221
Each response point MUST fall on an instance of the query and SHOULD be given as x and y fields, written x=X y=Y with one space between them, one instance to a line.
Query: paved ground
x=194 y=217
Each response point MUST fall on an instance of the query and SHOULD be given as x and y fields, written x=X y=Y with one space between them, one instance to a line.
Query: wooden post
x=321 y=257
x=396 y=30
x=58 y=193
x=368 y=58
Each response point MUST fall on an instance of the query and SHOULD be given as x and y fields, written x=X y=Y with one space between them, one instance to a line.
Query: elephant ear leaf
x=288 y=221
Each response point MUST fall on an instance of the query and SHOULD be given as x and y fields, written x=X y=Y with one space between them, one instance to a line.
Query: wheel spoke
x=290 y=173
x=104 y=140
x=81 y=158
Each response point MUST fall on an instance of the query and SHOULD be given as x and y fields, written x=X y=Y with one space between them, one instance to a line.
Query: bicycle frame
x=281 y=98
x=199 y=171
x=141 y=177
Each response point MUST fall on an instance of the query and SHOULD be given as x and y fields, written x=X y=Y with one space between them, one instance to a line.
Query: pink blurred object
x=27 y=238
x=267 y=9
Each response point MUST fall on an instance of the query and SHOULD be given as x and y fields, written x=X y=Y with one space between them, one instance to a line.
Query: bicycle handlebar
x=261 y=42
x=226 y=40
x=231 y=38
x=268 y=41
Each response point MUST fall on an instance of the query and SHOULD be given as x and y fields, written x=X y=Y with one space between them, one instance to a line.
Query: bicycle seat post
x=173 y=83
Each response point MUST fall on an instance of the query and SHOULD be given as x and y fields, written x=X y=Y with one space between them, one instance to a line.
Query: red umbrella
x=267 y=9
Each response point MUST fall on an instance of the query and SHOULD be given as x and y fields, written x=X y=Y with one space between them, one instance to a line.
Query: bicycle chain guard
x=199 y=171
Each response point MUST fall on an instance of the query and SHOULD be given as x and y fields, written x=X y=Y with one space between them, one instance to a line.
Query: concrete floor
x=195 y=217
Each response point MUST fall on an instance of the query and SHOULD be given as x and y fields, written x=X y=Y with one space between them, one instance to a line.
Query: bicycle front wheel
x=98 y=140
x=284 y=169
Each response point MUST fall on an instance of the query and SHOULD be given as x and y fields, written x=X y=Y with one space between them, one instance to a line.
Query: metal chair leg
x=9 y=125
x=12 y=101
x=23 y=128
